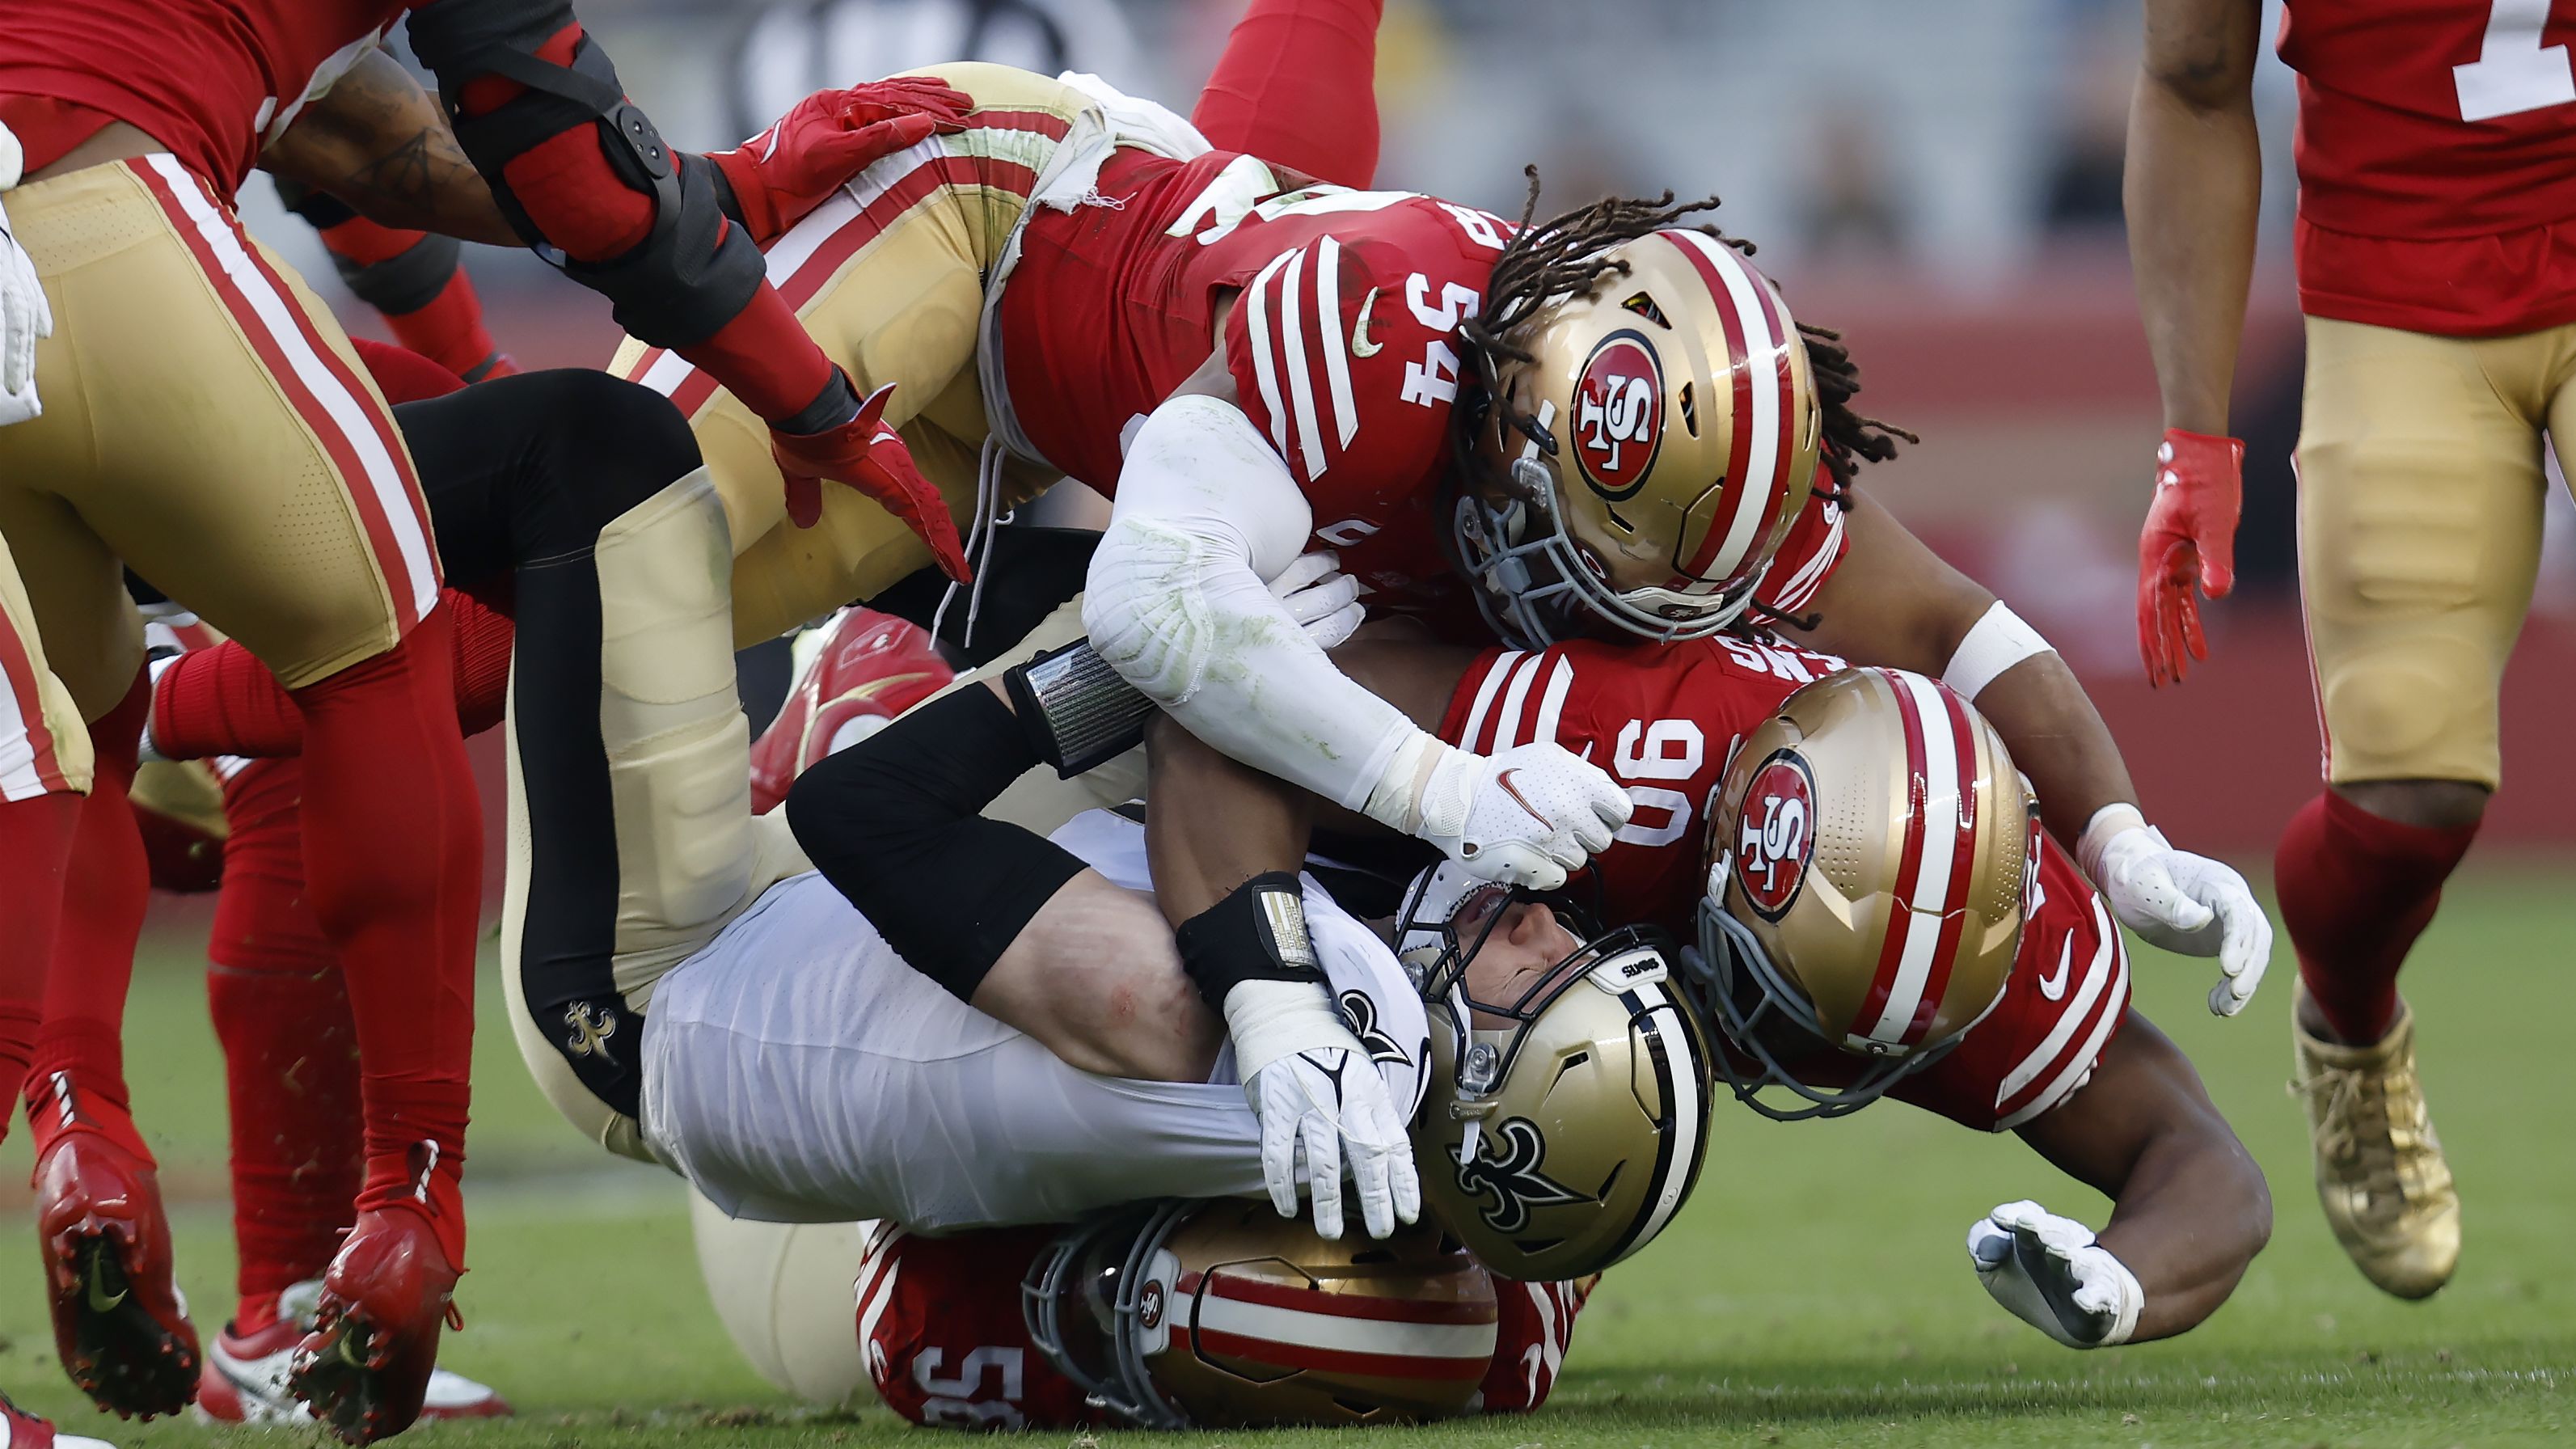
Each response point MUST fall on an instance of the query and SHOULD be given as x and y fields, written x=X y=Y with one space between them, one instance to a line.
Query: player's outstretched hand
x=829 y=137
x=2190 y=538
x=1323 y=1104
x=1532 y=813
x=25 y=316
x=2049 y=1273
x=2185 y=903
x=867 y=455
x=1323 y=600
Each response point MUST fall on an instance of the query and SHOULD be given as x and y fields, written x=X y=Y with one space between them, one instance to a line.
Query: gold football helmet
x=1872 y=853
x=1566 y=1112
x=1659 y=432
x=1224 y=1314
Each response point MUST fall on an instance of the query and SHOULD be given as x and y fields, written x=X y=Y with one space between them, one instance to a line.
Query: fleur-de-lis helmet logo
x=1505 y=1180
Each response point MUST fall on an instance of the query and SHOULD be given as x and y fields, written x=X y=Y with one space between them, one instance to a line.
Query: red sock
x=223 y=701
x=393 y=845
x=2356 y=890
x=1297 y=84
x=290 y=1046
x=35 y=851
x=106 y=885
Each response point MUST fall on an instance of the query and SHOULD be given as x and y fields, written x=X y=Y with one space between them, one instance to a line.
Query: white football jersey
x=796 y=1070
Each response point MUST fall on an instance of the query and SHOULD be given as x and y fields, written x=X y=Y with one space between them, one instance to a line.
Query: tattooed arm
x=379 y=142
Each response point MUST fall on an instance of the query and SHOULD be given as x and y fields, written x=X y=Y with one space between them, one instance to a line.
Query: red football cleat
x=119 y=1323
x=247 y=1374
x=364 y=1370
x=22 y=1430
x=854 y=675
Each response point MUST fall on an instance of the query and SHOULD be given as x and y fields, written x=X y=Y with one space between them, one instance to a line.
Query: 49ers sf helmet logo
x=1775 y=834
x=1619 y=415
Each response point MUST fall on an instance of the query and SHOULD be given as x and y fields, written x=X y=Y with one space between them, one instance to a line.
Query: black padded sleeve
x=891 y=822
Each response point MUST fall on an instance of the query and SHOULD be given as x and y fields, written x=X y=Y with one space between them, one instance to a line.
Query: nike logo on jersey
x=2054 y=987
x=1361 y=346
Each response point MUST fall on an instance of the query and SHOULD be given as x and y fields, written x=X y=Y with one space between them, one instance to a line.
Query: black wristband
x=1257 y=933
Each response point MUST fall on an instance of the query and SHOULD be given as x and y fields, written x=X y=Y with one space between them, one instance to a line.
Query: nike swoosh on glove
x=1526 y=816
x=1323 y=1105
x=865 y=454
x=2189 y=538
x=25 y=315
x=2190 y=905
x=1323 y=600
x=2048 y=1272
x=830 y=136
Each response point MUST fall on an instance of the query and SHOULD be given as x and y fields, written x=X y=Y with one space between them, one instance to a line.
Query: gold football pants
x=2421 y=482
x=206 y=422
x=889 y=277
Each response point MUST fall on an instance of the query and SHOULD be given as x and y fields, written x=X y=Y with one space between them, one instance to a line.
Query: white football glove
x=1524 y=817
x=1318 y=1096
x=1323 y=600
x=24 y=314
x=2050 y=1274
x=2182 y=902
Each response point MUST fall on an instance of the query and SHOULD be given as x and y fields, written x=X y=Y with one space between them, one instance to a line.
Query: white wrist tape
x=1415 y=795
x=1998 y=641
x=2108 y=824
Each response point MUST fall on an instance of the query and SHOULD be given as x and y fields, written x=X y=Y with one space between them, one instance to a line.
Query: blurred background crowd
x=1939 y=181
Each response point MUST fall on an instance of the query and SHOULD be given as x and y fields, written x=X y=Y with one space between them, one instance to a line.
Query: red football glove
x=2190 y=538
x=865 y=454
x=827 y=138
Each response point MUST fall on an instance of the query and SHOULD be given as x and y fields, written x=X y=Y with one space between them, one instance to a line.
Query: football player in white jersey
x=795 y=1018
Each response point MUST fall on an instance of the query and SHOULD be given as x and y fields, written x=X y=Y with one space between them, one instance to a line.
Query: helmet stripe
x=1240 y=1289
x=1677 y=1151
x=1963 y=861
x=1934 y=845
x=1762 y=418
x=1739 y=443
x=1411 y=1348
x=1892 y=947
x=1289 y=1354
x=1257 y=302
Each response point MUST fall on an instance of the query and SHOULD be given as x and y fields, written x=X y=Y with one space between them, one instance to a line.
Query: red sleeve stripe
x=1292 y=346
x=352 y=425
x=1802 y=586
x=1333 y=342
x=1934 y=844
x=1551 y=705
x=2104 y=997
x=27 y=764
x=875 y=1289
x=1759 y=453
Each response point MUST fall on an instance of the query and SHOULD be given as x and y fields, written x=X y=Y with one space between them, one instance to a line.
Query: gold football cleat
x=2381 y=1176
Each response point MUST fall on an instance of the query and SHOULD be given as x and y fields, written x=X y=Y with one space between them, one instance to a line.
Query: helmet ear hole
x=1690 y=410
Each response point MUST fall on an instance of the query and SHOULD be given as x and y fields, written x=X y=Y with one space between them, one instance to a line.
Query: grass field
x=1814 y=1293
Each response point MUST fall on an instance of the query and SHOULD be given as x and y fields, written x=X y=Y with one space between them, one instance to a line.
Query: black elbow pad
x=691 y=274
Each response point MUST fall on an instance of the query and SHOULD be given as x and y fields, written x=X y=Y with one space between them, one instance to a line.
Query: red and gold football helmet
x=1658 y=440
x=1872 y=852
x=1224 y=1314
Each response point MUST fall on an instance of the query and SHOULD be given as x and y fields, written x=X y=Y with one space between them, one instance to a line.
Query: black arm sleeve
x=891 y=822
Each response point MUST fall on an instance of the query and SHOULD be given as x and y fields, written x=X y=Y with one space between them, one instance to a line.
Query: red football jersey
x=940 y=1323
x=213 y=80
x=1664 y=722
x=1341 y=348
x=2437 y=161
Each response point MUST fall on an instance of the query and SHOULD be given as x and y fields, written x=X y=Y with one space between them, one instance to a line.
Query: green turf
x=1814 y=1293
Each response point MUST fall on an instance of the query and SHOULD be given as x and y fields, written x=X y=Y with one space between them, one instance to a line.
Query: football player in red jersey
x=2437 y=169
x=2015 y=1018
x=209 y=426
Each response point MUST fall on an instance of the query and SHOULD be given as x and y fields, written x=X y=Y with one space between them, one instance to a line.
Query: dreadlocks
x=1564 y=257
